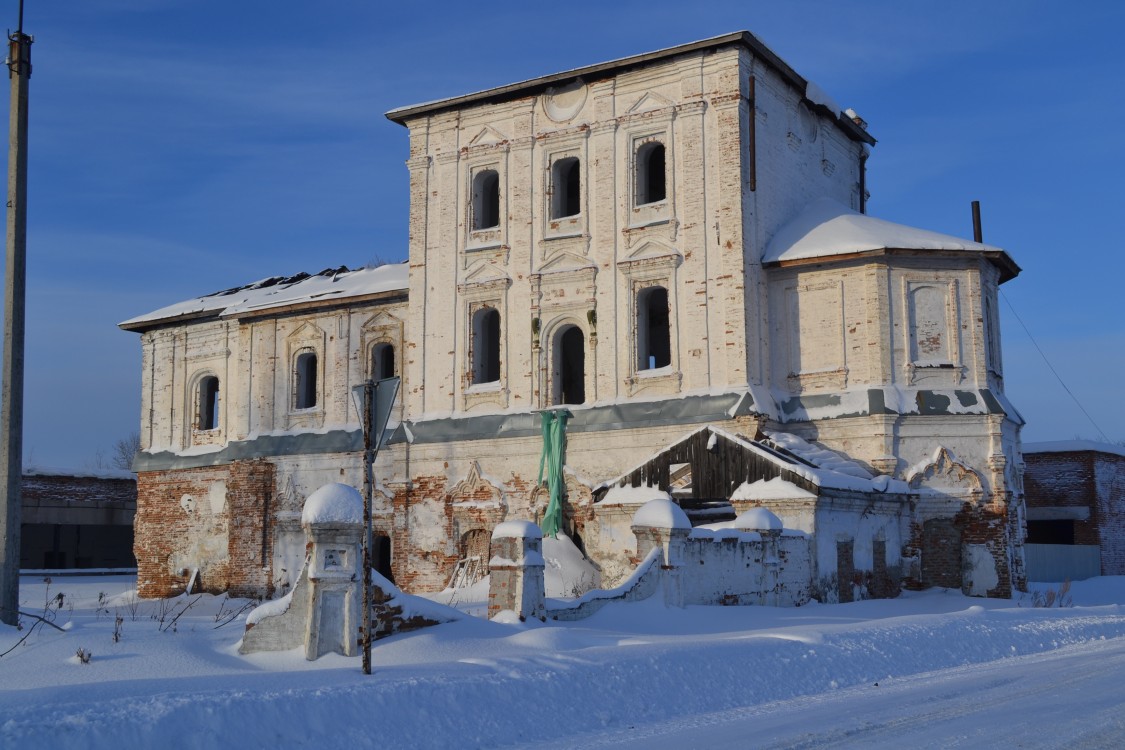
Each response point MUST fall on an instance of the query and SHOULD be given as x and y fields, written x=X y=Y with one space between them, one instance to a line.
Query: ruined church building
x=673 y=246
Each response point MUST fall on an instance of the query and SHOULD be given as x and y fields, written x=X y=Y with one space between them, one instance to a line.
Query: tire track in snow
x=979 y=691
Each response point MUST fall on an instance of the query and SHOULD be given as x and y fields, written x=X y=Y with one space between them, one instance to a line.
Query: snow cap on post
x=334 y=503
x=661 y=514
x=758 y=519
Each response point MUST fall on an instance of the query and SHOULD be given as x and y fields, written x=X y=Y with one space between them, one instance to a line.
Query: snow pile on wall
x=517 y=530
x=567 y=572
x=757 y=519
x=269 y=609
x=769 y=489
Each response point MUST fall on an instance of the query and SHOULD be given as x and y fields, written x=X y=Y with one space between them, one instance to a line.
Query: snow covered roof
x=533 y=86
x=329 y=285
x=820 y=467
x=770 y=489
x=54 y=471
x=1073 y=446
x=826 y=228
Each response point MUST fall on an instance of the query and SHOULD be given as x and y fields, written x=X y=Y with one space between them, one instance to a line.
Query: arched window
x=486 y=199
x=566 y=188
x=650 y=177
x=382 y=361
x=207 y=417
x=486 y=346
x=569 y=382
x=304 y=380
x=654 y=348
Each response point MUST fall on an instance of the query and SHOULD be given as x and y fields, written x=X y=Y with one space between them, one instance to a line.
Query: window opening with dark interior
x=486 y=199
x=570 y=367
x=1050 y=532
x=382 y=361
x=654 y=348
x=486 y=345
x=566 y=188
x=208 y=403
x=651 y=187
x=305 y=381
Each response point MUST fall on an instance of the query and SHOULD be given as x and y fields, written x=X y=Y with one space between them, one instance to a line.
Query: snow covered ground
x=950 y=671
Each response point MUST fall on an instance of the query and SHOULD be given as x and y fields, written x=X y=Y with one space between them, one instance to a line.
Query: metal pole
x=368 y=460
x=15 y=279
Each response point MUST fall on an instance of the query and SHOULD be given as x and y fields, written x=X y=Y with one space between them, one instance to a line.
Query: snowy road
x=1072 y=698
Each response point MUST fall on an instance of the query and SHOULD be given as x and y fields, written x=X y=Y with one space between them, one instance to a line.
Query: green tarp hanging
x=552 y=459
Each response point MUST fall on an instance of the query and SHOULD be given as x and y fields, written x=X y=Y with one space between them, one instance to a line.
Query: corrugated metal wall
x=1052 y=563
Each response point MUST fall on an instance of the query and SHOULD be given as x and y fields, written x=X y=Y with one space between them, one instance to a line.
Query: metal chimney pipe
x=977 y=236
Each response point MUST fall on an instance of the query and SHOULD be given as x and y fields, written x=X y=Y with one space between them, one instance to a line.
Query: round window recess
x=562 y=103
x=807 y=122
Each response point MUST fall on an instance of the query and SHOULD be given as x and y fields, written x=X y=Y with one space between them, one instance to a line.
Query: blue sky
x=179 y=147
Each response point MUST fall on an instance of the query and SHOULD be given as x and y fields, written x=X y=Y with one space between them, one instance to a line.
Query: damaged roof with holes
x=826 y=228
x=278 y=292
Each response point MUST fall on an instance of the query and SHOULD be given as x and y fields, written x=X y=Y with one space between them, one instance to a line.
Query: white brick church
x=672 y=246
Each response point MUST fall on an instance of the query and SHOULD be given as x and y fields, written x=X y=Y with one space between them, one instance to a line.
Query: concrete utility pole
x=15 y=279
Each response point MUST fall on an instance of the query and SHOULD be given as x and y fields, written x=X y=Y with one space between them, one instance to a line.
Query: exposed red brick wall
x=420 y=569
x=251 y=505
x=988 y=525
x=939 y=544
x=164 y=529
x=171 y=540
x=467 y=507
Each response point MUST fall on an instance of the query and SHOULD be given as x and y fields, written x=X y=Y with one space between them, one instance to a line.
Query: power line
x=1052 y=368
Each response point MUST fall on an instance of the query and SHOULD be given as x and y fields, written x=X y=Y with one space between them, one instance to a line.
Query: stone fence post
x=334 y=533
x=661 y=523
x=323 y=611
x=516 y=571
